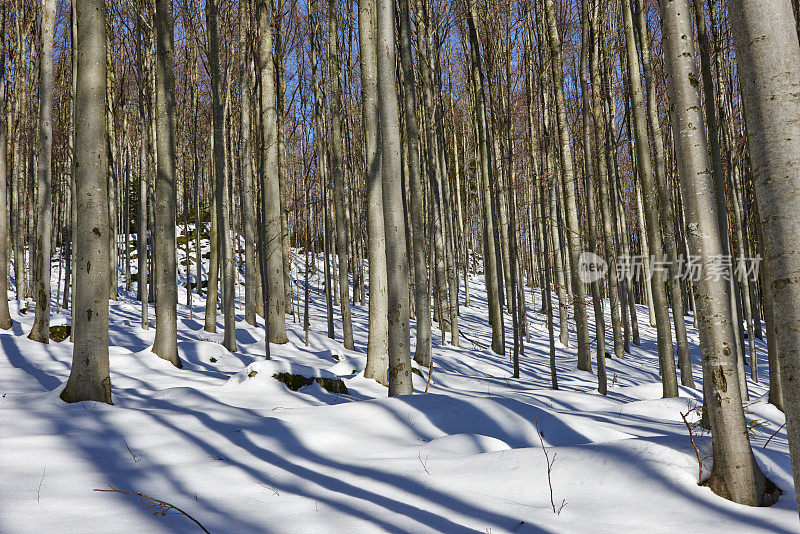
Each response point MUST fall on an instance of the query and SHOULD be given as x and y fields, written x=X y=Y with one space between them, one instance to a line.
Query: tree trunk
x=246 y=154
x=5 y=317
x=377 y=346
x=665 y=202
x=166 y=340
x=422 y=303
x=337 y=153
x=399 y=344
x=768 y=57
x=735 y=474
x=40 y=331
x=490 y=257
x=270 y=188
x=144 y=172
x=89 y=376
x=652 y=209
x=223 y=208
x=603 y=180
x=573 y=228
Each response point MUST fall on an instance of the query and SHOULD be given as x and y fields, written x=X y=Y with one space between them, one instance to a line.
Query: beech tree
x=40 y=331
x=89 y=375
x=768 y=56
x=5 y=317
x=735 y=475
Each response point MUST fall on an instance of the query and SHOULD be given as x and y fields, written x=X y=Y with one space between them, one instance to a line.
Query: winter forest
x=399 y=266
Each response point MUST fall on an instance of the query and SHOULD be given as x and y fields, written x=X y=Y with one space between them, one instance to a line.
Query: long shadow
x=14 y=355
x=278 y=430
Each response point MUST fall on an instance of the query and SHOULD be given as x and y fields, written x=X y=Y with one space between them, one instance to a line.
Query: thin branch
x=161 y=507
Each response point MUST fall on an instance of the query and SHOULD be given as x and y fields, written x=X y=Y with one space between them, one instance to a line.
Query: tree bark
x=651 y=211
x=567 y=178
x=735 y=474
x=223 y=208
x=768 y=57
x=422 y=303
x=5 y=317
x=89 y=376
x=377 y=344
x=339 y=198
x=399 y=342
x=40 y=331
x=166 y=340
x=270 y=188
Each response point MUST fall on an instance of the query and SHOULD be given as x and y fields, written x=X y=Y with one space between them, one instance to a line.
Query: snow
x=242 y=453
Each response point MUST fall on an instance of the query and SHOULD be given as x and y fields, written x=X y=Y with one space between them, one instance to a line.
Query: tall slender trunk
x=5 y=317
x=665 y=202
x=485 y=182
x=165 y=344
x=399 y=342
x=603 y=178
x=591 y=200
x=223 y=208
x=40 y=331
x=377 y=343
x=422 y=303
x=337 y=153
x=144 y=172
x=246 y=170
x=768 y=57
x=270 y=187
x=89 y=375
x=651 y=210
x=719 y=177
x=567 y=178
x=735 y=474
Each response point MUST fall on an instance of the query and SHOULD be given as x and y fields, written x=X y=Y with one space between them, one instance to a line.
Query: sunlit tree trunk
x=89 y=376
x=567 y=178
x=768 y=57
x=5 y=317
x=223 y=209
x=735 y=474
x=40 y=331
x=377 y=343
x=399 y=340
x=337 y=153
x=270 y=188
x=166 y=340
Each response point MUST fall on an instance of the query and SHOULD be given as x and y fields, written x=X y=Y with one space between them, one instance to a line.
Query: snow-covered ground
x=241 y=453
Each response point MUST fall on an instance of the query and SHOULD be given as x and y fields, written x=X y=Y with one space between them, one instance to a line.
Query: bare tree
x=40 y=331
x=89 y=376
x=768 y=56
x=5 y=317
x=735 y=474
x=377 y=343
x=166 y=282
x=223 y=231
x=393 y=215
x=270 y=188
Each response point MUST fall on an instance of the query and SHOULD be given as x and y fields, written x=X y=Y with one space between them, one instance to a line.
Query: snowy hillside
x=240 y=452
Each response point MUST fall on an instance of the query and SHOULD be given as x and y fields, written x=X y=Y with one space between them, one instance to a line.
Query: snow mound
x=456 y=445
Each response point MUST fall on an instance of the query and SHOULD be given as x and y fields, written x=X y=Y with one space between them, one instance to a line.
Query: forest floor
x=241 y=453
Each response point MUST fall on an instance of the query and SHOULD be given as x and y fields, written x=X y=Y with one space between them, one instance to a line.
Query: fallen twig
x=773 y=435
x=550 y=463
x=475 y=344
x=430 y=374
x=424 y=463
x=694 y=446
x=161 y=507
x=39 y=489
